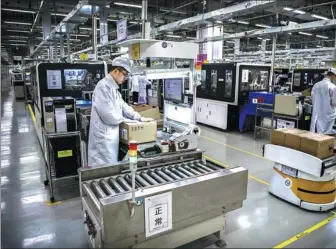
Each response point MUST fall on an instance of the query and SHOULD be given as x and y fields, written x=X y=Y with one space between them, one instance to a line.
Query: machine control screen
x=173 y=89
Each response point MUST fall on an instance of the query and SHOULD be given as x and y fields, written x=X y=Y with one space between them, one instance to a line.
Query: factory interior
x=168 y=124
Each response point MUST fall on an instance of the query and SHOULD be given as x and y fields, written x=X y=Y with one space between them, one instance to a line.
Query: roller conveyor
x=107 y=200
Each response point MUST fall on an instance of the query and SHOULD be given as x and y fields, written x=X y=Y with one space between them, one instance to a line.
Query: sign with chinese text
x=122 y=30
x=158 y=214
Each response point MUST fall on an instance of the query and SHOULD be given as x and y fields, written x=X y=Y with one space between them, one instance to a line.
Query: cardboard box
x=142 y=132
x=293 y=138
x=140 y=108
x=318 y=145
x=278 y=136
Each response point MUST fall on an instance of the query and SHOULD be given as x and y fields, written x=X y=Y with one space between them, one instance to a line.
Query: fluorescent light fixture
x=173 y=36
x=299 y=12
x=191 y=38
x=320 y=17
x=13 y=30
x=17 y=41
x=230 y=42
x=263 y=26
x=18 y=37
x=173 y=11
x=21 y=23
x=289 y=33
x=304 y=33
x=16 y=10
x=84 y=28
x=242 y=22
x=259 y=38
x=287 y=9
x=74 y=39
x=17 y=44
x=322 y=36
x=112 y=20
x=133 y=22
x=128 y=5
x=318 y=46
x=80 y=35
x=58 y=14
x=219 y=22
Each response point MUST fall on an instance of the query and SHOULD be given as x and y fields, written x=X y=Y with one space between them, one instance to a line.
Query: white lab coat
x=108 y=111
x=324 y=103
x=134 y=80
x=143 y=82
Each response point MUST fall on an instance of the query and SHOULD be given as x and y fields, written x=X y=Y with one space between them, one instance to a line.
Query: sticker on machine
x=124 y=134
x=158 y=214
x=288 y=182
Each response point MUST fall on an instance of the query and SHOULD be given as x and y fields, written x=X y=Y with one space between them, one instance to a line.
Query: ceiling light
x=80 y=35
x=321 y=36
x=22 y=11
x=320 y=17
x=304 y=33
x=84 y=28
x=17 y=44
x=191 y=38
x=289 y=33
x=287 y=8
x=299 y=12
x=243 y=22
x=259 y=38
x=74 y=40
x=128 y=5
x=219 y=22
x=12 y=30
x=173 y=36
x=318 y=46
x=17 y=41
x=22 y=23
x=58 y=14
x=174 y=11
x=229 y=41
x=135 y=22
x=263 y=26
x=112 y=20
x=19 y=37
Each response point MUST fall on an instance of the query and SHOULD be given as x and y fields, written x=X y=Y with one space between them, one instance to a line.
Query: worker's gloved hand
x=143 y=119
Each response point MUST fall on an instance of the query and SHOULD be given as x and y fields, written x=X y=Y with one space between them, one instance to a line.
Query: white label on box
x=158 y=214
x=124 y=134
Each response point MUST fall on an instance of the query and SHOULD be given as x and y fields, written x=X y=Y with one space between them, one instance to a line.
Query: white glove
x=143 y=119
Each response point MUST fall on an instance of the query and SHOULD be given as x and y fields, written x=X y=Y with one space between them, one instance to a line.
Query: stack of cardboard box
x=318 y=145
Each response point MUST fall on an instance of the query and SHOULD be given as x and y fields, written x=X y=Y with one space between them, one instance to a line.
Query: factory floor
x=29 y=220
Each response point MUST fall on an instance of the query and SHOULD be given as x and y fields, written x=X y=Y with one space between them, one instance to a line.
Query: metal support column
x=103 y=24
x=236 y=47
x=334 y=54
x=61 y=46
x=263 y=48
x=272 y=60
x=144 y=19
x=68 y=45
x=94 y=33
x=55 y=51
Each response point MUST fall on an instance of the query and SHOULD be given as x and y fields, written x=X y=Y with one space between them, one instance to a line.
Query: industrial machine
x=59 y=114
x=18 y=83
x=28 y=87
x=302 y=179
x=62 y=79
x=224 y=88
x=174 y=201
x=303 y=79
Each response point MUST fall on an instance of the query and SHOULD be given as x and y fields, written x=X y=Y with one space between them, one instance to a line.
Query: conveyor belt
x=114 y=185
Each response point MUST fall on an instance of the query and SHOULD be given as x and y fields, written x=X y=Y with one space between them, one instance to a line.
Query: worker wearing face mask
x=324 y=102
x=108 y=111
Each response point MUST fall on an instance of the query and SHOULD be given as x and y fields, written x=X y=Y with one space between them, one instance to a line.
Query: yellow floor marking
x=227 y=166
x=49 y=203
x=306 y=232
x=32 y=114
x=333 y=212
x=235 y=148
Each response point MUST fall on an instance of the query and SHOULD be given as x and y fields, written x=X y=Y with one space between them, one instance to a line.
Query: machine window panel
x=297 y=79
x=81 y=79
x=203 y=79
x=214 y=81
x=228 y=84
x=254 y=80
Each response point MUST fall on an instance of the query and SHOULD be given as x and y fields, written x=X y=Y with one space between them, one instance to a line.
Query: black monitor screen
x=173 y=89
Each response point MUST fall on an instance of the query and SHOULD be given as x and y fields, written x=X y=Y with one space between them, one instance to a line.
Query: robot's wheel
x=52 y=199
x=220 y=243
x=46 y=182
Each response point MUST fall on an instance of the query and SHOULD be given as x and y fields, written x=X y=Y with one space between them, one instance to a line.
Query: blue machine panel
x=251 y=106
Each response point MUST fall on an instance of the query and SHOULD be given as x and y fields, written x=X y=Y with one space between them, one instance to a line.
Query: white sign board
x=284 y=124
x=17 y=58
x=54 y=79
x=122 y=30
x=158 y=214
x=245 y=75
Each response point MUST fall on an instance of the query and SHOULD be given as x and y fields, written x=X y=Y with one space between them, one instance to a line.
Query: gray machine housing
x=202 y=193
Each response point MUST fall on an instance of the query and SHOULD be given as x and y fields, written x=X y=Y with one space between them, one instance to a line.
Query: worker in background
x=108 y=111
x=135 y=87
x=324 y=103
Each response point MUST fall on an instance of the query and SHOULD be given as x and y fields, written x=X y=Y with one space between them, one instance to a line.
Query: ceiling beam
x=324 y=24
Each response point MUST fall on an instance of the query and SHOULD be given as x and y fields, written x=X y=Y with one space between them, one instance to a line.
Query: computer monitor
x=173 y=90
